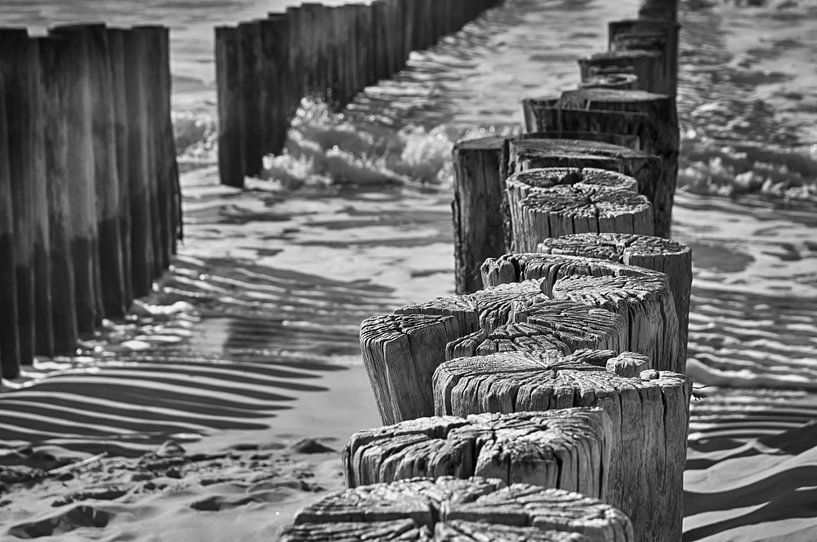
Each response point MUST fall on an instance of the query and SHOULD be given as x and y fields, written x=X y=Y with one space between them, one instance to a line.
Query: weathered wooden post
x=116 y=44
x=249 y=47
x=9 y=339
x=276 y=44
x=43 y=324
x=649 y=411
x=454 y=509
x=551 y=202
x=534 y=151
x=164 y=172
x=230 y=109
x=54 y=63
x=140 y=165
x=561 y=449
x=480 y=169
x=669 y=257
x=402 y=350
x=82 y=176
x=18 y=75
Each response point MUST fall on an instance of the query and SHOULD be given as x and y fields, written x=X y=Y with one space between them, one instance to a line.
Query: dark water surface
x=254 y=330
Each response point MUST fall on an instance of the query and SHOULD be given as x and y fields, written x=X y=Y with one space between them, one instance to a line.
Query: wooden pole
x=649 y=411
x=9 y=338
x=230 y=111
x=82 y=177
x=276 y=42
x=249 y=40
x=20 y=124
x=479 y=224
x=551 y=202
x=140 y=165
x=455 y=509
x=116 y=43
x=43 y=324
x=163 y=148
x=105 y=173
x=55 y=59
x=669 y=257
x=561 y=449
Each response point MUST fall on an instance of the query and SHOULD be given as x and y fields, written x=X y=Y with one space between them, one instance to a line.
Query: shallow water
x=254 y=330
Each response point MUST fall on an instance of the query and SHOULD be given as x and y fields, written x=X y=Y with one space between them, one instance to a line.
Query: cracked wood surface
x=454 y=509
x=564 y=449
x=669 y=257
x=649 y=413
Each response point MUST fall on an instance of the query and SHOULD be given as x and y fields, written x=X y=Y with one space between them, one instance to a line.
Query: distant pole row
x=265 y=67
x=90 y=205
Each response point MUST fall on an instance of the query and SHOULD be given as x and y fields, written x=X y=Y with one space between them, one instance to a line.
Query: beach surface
x=220 y=405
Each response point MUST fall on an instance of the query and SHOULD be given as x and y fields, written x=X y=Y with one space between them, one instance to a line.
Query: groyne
x=266 y=66
x=89 y=187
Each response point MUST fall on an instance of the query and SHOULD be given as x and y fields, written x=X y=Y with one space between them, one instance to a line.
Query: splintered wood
x=649 y=413
x=564 y=449
x=641 y=297
x=551 y=202
x=581 y=303
x=669 y=257
x=463 y=510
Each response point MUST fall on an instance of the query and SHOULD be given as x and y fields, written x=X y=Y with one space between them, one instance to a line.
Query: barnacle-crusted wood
x=454 y=509
x=650 y=416
x=641 y=297
x=669 y=257
x=566 y=449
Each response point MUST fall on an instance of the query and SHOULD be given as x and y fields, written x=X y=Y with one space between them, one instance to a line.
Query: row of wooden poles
x=264 y=68
x=89 y=188
x=558 y=369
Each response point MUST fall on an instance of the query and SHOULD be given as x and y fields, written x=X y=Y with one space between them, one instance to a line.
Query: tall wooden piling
x=56 y=77
x=647 y=67
x=480 y=168
x=116 y=44
x=20 y=121
x=655 y=35
x=139 y=162
x=81 y=173
x=9 y=341
x=230 y=111
x=44 y=326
